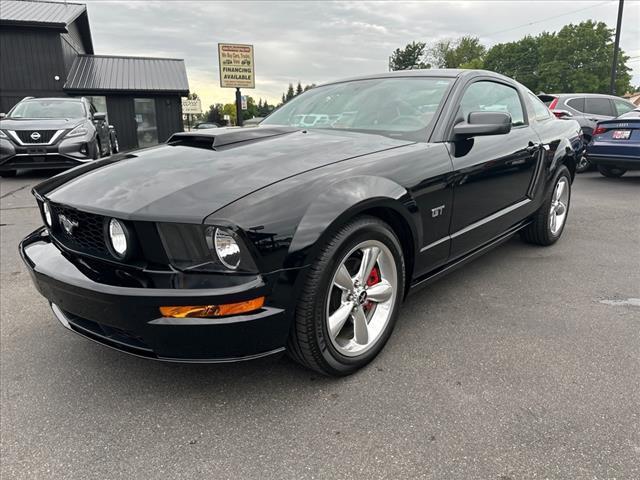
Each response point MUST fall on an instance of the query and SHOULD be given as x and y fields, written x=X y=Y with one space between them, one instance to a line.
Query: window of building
x=147 y=127
x=485 y=96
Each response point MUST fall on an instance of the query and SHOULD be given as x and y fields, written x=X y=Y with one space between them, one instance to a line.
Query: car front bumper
x=66 y=153
x=128 y=318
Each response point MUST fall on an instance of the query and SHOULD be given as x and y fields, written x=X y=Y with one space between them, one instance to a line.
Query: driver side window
x=486 y=96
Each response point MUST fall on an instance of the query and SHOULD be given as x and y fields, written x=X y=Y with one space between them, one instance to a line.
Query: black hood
x=39 y=123
x=188 y=180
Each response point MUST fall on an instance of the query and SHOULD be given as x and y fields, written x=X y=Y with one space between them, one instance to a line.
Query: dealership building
x=46 y=51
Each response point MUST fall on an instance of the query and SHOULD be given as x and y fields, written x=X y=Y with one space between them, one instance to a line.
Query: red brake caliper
x=374 y=277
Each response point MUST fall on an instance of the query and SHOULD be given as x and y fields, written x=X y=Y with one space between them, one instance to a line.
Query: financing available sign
x=236 y=65
x=191 y=107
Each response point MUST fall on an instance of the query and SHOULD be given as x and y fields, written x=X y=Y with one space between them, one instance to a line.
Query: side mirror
x=562 y=113
x=2 y=115
x=99 y=116
x=483 y=123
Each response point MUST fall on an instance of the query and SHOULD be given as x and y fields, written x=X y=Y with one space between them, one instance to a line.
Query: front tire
x=549 y=221
x=350 y=300
x=611 y=172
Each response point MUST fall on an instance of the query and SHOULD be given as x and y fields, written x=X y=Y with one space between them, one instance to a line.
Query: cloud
x=314 y=42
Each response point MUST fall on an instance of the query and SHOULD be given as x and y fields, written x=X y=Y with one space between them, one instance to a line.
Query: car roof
x=425 y=72
x=577 y=94
x=71 y=99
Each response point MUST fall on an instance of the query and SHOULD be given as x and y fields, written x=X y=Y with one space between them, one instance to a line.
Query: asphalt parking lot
x=524 y=364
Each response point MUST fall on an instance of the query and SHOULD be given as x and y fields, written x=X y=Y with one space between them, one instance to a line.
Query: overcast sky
x=319 y=41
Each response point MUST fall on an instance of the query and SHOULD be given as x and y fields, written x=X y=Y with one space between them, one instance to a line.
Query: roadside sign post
x=191 y=107
x=238 y=107
x=236 y=70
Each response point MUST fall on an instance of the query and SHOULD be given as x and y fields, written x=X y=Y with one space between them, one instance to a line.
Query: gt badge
x=436 y=212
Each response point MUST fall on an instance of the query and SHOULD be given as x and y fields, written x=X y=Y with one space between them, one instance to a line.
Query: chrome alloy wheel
x=559 y=205
x=361 y=298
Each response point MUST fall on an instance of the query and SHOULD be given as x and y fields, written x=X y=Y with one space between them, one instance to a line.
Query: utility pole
x=616 y=47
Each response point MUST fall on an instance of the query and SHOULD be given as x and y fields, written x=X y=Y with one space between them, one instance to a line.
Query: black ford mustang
x=307 y=232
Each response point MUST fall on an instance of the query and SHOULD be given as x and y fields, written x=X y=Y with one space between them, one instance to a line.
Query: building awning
x=101 y=73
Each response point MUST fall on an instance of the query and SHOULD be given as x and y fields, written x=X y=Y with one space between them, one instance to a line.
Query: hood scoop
x=225 y=139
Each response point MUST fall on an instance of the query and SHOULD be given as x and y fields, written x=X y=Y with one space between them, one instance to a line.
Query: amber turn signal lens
x=204 y=311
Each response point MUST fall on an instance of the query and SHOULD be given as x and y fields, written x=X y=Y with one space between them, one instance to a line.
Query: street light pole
x=616 y=47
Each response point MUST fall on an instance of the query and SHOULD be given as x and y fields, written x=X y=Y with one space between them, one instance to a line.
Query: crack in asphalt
x=14 y=191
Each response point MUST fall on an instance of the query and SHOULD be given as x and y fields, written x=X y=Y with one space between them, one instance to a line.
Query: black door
x=492 y=173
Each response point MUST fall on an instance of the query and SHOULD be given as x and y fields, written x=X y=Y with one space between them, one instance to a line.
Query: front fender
x=342 y=201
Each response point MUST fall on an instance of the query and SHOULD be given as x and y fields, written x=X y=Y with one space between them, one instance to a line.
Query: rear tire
x=611 y=172
x=550 y=219
x=8 y=173
x=342 y=322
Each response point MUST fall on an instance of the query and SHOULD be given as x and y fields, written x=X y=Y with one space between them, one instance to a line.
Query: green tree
x=299 y=88
x=518 y=60
x=290 y=92
x=577 y=58
x=465 y=52
x=230 y=109
x=409 y=58
x=214 y=114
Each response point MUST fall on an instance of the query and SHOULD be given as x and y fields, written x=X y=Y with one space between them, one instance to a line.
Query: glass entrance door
x=147 y=127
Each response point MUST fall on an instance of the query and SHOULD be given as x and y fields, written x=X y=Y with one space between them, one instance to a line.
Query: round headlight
x=118 y=237
x=227 y=249
x=46 y=209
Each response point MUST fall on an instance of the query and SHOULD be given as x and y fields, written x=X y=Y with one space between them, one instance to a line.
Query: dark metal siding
x=122 y=117
x=168 y=116
x=75 y=37
x=29 y=61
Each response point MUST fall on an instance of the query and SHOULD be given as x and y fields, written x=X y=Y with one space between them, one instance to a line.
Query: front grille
x=87 y=234
x=45 y=136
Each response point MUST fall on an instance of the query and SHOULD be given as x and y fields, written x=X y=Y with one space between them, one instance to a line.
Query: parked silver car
x=51 y=133
x=587 y=109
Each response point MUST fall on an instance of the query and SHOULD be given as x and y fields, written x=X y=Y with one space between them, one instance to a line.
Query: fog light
x=204 y=311
x=118 y=237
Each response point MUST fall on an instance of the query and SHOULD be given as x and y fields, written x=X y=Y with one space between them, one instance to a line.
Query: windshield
x=396 y=107
x=48 y=109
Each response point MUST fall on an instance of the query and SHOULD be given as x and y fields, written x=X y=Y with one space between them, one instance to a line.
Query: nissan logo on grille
x=35 y=136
